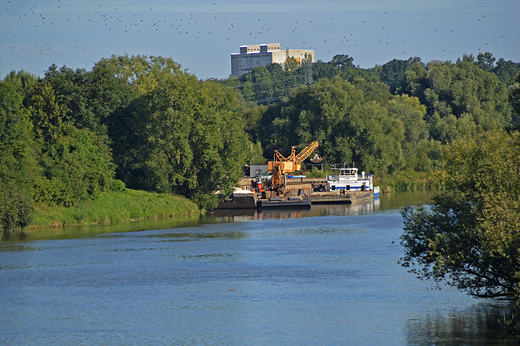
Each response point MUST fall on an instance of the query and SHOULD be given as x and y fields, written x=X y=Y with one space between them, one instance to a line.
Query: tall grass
x=111 y=207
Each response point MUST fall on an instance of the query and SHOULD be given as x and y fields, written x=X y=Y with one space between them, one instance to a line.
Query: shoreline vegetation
x=118 y=142
x=410 y=180
x=136 y=205
x=112 y=207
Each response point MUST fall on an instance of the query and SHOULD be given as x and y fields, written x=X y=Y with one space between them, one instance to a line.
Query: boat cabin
x=349 y=179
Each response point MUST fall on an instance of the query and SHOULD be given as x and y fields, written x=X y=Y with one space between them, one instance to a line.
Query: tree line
x=385 y=119
x=144 y=123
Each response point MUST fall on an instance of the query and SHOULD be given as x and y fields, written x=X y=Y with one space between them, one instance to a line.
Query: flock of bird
x=77 y=36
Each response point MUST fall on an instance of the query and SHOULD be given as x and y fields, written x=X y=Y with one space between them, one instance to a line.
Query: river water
x=324 y=276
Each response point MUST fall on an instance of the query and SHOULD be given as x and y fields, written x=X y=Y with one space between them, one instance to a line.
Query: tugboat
x=347 y=186
x=348 y=179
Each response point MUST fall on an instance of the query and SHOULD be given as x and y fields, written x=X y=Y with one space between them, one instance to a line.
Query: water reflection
x=479 y=324
x=241 y=215
x=386 y=202
x=74 y=232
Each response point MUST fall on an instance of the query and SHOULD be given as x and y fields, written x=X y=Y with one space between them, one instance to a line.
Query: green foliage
x=256 y=154
x=23 y=81
x=419 y=153
x=184 y=137
x=348 y=128
x=342 y=62
x=393 y=74
x=373 y=90
x=505 y=70
x=74 y=166
x=46 y=112
x=118 y=206
x=87 y=98
x=17 y=163
x=252 y=116
x=325 y=70
x=15 y=208
x=461 y=99
x=290 y=64
x=316 y=173
x=471 y=236
x=140 y=72
x=514 y=97
x=16 y=142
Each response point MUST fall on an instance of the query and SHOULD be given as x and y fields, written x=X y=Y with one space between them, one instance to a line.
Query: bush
x=15 y=209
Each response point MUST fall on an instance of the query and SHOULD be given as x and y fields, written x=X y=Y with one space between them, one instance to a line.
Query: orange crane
x=281 y=165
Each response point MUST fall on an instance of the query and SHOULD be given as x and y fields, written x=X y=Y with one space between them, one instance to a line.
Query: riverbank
x=132 y=205
x=110 y=207
x=409 y=180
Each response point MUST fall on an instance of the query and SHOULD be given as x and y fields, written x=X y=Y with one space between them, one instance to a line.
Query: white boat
x=348 y=179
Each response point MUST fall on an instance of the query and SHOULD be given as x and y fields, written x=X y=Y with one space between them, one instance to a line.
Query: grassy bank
x=111 y=207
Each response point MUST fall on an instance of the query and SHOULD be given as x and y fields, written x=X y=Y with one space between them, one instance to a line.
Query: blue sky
x=201 y=35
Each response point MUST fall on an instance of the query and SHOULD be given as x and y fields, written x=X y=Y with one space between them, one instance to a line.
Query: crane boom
x=305 y=153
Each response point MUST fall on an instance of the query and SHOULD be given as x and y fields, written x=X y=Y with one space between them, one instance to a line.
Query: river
x=324 y=276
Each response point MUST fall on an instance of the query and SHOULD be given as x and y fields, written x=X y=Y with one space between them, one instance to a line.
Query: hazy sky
x=201 y=35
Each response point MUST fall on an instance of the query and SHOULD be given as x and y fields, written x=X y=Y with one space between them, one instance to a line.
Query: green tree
x=23 y=81
x=325 y=70
x=87 y=98
x=461 y=90
x=46 y=111
x=69 y=89
x=393 y=73
x=75 y=166
x=416 y=81
x=470 y=237
x=252 y=117
x=342 y=61
x=348 y=128
x=486 y=61
x=17 y=160
x=256 y=154
x=16 y=141
x=411 y=113
x=506 y=71
x=141 y=72
x=16 y=207
x=184 y=137
x=514 y=97
x=373 y=90
x=263 y=84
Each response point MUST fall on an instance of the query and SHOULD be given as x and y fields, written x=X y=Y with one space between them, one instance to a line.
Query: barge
x=345 y=187
x=291 y=202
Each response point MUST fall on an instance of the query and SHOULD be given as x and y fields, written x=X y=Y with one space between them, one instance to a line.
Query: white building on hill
x=263 y=55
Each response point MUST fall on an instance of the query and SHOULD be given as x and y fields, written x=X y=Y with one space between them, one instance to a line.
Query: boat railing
x=344 y=178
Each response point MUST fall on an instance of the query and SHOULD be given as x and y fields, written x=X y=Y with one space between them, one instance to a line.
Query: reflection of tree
x=476 y=325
